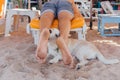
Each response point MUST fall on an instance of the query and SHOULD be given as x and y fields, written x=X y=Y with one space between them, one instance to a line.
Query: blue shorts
x=56 y=6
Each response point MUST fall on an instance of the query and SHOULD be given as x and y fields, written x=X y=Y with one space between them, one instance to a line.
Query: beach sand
x=18 y=62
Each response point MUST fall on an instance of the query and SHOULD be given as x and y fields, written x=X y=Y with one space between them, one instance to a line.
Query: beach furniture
x=3 y=6
x=17 y=11
x=84 y=7
x=111 y=16
x=78 y=25
x=107 y=7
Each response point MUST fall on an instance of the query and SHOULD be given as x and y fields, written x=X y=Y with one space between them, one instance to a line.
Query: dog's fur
x=52 y=47
x=81 y=49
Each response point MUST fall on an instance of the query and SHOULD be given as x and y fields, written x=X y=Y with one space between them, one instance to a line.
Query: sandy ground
x=18 y=62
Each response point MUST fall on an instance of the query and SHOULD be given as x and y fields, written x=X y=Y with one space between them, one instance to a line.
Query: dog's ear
x=50 y=30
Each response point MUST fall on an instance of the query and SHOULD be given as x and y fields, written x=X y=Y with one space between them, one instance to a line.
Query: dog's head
x=54 y=33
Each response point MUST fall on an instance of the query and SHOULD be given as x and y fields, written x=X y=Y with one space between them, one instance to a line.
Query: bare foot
x=67 y=58
x=41 y=51
x=72 y=65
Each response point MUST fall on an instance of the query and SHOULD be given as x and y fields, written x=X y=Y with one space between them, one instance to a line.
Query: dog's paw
x=78 y=67
x=115 y=61
x=53 y=61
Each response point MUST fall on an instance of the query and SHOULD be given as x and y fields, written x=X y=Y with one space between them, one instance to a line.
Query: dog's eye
x=57 y=35
x=50 y=30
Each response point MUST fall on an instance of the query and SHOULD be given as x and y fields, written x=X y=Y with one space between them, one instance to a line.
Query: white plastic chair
x=111 y=16
x=17 y=11
x=84 y=7
x=36 y=32
x=107 y=7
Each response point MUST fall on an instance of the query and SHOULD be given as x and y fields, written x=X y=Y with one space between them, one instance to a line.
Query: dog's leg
x=55 y=59
x=82 y=63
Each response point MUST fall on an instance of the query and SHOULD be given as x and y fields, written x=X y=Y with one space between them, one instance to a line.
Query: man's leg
x=45 y=22
x=64 y=27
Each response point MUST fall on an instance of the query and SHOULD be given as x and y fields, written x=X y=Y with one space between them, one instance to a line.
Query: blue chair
x=110 y=17
x=103 y=19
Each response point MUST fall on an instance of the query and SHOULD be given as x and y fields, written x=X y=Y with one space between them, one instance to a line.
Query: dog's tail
x=106 y=61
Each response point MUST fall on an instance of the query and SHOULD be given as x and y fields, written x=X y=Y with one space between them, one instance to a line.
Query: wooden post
x=91 y=23
x=40 y=4
x=21 y=4
x=29 y=4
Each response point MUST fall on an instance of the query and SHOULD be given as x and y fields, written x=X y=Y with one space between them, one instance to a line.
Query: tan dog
x=81 y=49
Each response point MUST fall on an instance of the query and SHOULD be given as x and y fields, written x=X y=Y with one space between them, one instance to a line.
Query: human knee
x=48 y=15
x=46 y=30
x=64 y=15
x=46 y=20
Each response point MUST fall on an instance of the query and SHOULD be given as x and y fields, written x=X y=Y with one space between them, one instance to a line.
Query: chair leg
x=82 y=33
x=35 y=34
x=8 y=24
x=28 y=28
